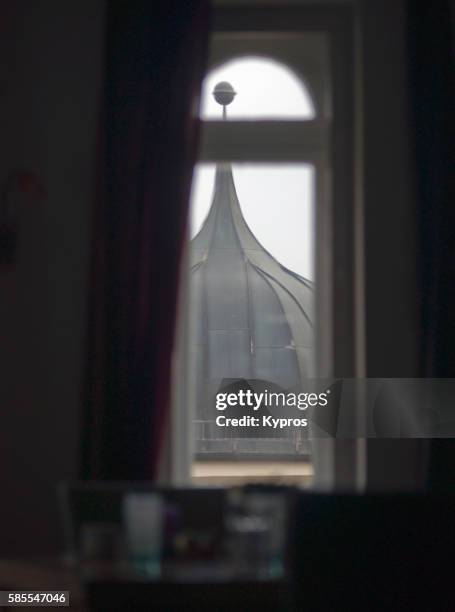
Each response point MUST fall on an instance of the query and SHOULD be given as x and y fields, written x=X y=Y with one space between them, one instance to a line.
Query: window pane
x=265 y=89
x=251 y=302
x=269 y=215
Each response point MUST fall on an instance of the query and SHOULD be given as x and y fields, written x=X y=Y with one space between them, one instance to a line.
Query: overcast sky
x=277 y=200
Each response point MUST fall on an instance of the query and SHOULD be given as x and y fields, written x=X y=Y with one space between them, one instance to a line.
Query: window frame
x=327 y=142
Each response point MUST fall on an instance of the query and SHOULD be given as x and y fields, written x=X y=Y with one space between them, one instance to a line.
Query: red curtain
x=155 y=61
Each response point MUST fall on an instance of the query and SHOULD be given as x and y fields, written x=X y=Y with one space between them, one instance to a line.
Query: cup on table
x=143 y=531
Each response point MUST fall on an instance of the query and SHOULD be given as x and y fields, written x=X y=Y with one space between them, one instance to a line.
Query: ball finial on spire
x=224 y=93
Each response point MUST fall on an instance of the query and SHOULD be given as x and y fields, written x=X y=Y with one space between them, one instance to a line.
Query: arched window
x=258 y=285
x=266 y=89
x=251 y=295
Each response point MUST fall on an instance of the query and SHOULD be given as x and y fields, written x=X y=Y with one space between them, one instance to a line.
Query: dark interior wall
x=391 y=291
x=50 y=70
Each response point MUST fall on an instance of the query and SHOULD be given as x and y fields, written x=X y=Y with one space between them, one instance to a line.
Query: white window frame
x=327 y=142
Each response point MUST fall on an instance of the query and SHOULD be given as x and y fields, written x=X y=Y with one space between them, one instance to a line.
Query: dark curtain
x=431 y=67
x=155 y=61
x=431 y=54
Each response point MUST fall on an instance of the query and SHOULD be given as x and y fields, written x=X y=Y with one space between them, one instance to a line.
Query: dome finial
x=224 y=94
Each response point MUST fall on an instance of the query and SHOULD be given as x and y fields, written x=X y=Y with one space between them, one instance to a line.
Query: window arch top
x=266 y=89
